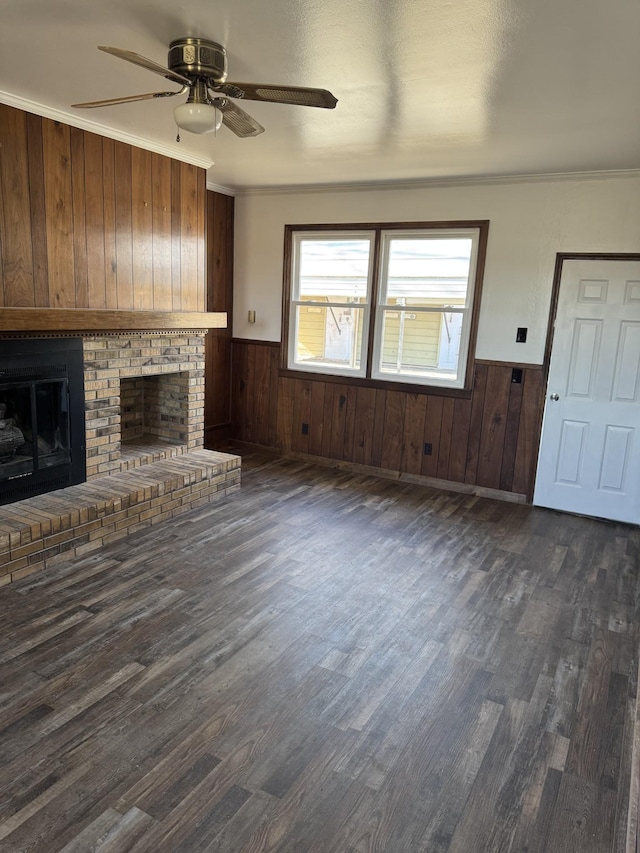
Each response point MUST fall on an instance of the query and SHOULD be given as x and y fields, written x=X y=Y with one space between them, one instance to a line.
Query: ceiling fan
x=200 y=67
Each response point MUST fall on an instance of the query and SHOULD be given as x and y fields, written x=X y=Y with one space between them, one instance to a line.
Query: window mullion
x=373 y=308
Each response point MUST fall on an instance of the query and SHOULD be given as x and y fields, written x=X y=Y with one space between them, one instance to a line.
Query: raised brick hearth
x=144 y=417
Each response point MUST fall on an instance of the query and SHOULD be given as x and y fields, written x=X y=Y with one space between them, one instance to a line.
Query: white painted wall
x=531 y=221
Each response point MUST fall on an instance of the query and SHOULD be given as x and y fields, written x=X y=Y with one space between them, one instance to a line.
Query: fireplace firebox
x=42 y=431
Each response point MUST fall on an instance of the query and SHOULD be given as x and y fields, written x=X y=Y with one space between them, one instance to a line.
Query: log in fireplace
x=42 y=430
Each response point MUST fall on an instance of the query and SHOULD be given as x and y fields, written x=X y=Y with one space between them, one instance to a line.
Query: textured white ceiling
x=426 y=88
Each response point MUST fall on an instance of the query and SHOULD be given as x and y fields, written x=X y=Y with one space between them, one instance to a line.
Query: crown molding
x=434 y=183
x=95 y=127
x=217 y=188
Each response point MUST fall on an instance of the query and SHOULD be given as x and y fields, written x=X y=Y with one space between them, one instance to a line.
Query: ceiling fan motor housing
x=194 y=57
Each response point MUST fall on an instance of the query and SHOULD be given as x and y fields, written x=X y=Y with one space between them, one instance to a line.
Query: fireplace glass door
x=42 y=443
x=34 y=427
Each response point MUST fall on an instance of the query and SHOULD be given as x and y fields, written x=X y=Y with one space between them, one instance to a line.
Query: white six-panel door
x=589 y=460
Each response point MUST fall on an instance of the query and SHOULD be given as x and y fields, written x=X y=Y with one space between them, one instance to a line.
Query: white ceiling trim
x=426 y=183
x=216 y=188
x=101 y=129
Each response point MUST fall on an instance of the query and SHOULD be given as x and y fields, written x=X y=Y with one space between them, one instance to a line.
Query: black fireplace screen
x=41 y=417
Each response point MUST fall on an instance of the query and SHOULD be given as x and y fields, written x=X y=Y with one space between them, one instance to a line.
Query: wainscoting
x=489 y=440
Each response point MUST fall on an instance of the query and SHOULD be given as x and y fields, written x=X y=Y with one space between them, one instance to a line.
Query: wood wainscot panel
x=487 y=441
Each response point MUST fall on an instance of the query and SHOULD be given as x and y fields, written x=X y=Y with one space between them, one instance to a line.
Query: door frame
x=561 y=257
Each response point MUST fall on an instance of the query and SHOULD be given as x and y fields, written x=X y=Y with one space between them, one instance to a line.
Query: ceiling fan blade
x=149 y=64
x=300 y=95
x=241 y=123
x=128 y=99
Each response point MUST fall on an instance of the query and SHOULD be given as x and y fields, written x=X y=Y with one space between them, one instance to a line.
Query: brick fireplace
x=141 y=389
x=144 y=428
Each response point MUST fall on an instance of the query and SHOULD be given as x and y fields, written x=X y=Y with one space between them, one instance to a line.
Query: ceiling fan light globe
x=197 y=118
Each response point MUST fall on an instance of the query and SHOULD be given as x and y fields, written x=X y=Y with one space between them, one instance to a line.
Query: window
x=385 y=303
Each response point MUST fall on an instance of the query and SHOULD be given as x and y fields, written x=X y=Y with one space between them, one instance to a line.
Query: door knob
x=554 y=397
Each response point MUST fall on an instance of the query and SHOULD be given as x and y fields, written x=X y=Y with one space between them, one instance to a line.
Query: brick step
x=40 y=531
x=146 y=450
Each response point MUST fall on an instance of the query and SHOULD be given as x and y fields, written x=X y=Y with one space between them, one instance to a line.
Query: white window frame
x=295 y=301
x=466 y=310
x=379 y=236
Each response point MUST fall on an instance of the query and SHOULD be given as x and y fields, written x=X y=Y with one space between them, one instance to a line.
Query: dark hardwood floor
x=326 y=662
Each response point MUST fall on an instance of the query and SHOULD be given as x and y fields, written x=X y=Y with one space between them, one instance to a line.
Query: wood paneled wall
x=488 y=440
x=87 y=222
x=220 y=213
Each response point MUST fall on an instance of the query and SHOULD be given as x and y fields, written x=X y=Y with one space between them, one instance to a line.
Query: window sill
x=378 y=384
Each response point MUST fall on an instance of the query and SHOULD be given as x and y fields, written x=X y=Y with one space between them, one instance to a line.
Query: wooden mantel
x=102 y=320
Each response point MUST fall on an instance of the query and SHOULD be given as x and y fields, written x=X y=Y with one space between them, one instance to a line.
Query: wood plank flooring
x=326 y=663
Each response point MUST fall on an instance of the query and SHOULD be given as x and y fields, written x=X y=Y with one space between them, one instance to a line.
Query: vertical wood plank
x=217 y=379
x=329 y=397
x=219 y=297
x=274 y=365
x=432 y=430
x=475 y=423
x=444 y=449
x=250 y=396
x=59 y=214
x=15 y=215
x=141 y=228
x=393 y=431
x=239 y=389
x=176 y=235
x=339 y=421
x=459 y=440
x=94 y=221
x=415 y=413
x=79 y=195
x=261 y=395
x=323 y=442
x=317 y=417
x=494 y=420
x=38 y=211
x=364 y=424
x=219 y=253
x=378 y=428
x=124 y=226
x=161 y=193
x=285 y=412
x=511 y=436
x=530 y=415
x=301 y=415
x=188 y=237
x=109 y=196
x=350 y=423
x=201 y=225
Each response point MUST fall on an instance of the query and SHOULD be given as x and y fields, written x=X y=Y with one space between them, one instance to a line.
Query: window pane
x=332 y=268
x=421 y=344
x=428 y=271
x=330 y=336
x=422 y=322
